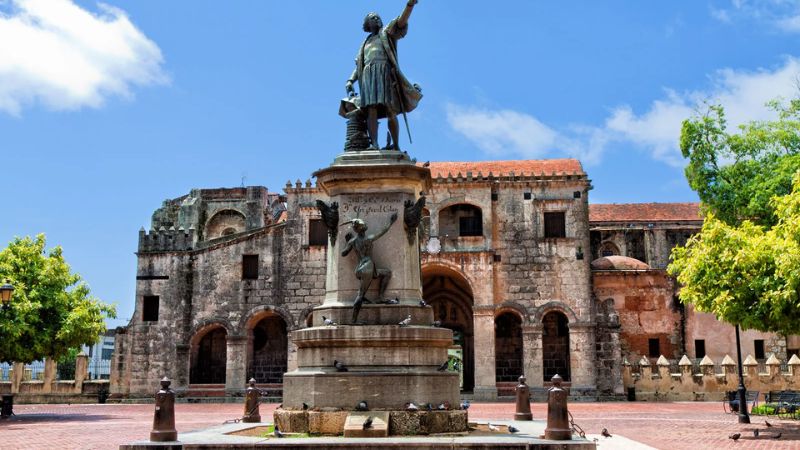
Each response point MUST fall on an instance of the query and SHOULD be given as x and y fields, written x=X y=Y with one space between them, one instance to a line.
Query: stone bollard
x=558 y=428
x=251 y=402
x=523 y=401
x=164 y=417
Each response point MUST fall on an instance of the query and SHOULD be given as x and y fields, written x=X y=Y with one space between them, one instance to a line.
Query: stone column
x=582 y=355
x=236 y=364
x=17 y=376
x=49 y=375
x=485 y=381
x=532 y=354
x=81 y=371
x=182 y=366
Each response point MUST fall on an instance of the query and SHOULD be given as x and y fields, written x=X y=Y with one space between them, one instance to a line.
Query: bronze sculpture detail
x=385 y=92
x=412 y=214
x=366 y=270
x=330 y=217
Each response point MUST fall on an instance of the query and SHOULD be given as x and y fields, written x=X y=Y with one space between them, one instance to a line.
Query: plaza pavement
x=680 y=425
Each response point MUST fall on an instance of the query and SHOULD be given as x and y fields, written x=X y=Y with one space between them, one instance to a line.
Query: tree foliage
x=52 y=310
x=736 y=174
x=744 y=265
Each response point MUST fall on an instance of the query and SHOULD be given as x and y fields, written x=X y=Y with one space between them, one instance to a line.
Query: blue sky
x=108 y=109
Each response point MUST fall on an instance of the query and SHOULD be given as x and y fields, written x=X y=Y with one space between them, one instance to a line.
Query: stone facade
x=225 y=275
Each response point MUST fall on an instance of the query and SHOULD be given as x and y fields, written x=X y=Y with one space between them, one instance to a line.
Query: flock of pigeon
x=757 y=433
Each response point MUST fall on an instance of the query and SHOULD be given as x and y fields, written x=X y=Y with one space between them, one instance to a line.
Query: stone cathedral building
x=531 y=278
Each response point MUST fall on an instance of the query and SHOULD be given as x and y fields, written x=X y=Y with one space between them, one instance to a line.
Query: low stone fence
x=659 y=383
x=47 y=389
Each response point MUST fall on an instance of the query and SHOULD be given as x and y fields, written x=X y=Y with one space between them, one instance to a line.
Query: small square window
x=470 y=226
x=150 y=308
x=317 y=233
x=758 y=345
x=249 y=267
x=526 y=195
x=498 y=258
x=699 y=348
x=654 y=349
x=576 y=194
x=494 y=196
x=555 y=225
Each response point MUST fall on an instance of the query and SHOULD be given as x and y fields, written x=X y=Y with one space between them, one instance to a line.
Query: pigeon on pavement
x=605 y=433
x=735 y=436
x=777 y=436
x=769 y=425
x=755 y=432
x=328 y=322
x=492 y=427
x=339 y=366
x=443 y=367
x=437 y=323
x=513 y=429
x=410 y=406
x=277 y=433
x=368 y=423
x=393 y=301
x=305 y=406
x=405 y=322
x=422 y=303
x=362 y=406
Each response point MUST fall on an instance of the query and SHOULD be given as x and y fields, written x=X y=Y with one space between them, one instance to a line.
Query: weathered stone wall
x=645 y=305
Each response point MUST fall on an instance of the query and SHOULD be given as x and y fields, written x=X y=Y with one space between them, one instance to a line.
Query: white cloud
x=655 y=131
x=783 y=15
x=58 y=54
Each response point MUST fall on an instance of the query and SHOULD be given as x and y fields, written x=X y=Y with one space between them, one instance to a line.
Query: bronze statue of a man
x=385 y=92
x=366 y=270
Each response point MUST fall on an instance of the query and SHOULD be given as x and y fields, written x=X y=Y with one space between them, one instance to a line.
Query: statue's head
x=372 y=23
x=359 y=226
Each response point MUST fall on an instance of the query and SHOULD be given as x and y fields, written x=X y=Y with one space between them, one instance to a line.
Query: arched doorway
x=209 y=356
x=555 y=345
x=508 y=347
x=450 y=296
x=267 y=349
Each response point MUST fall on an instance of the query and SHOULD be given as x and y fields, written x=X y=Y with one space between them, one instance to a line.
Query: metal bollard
x=523 y=401
x=164 y=416
x=558 y=428
x=251 y=402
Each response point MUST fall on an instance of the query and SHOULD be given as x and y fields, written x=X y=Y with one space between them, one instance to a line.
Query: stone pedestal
x=388 y=365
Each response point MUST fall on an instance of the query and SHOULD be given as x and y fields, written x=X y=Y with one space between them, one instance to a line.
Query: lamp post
x=743 y=416
x=6 y=291
x=6 y=401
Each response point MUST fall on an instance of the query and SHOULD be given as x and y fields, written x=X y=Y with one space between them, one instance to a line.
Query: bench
x=731 y=402
x=784 y=402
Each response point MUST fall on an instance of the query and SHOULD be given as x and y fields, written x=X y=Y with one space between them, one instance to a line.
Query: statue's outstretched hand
x=349 y=88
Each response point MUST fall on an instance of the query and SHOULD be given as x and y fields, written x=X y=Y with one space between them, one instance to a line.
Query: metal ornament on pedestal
x=251 y=403
x=558 y=428
x=164 y=416
x=523 y=401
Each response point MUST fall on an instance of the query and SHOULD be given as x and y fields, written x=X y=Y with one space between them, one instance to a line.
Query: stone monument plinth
x=392 y=353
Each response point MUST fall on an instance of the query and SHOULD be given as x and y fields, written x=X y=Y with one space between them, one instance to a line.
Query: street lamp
x=6 y=291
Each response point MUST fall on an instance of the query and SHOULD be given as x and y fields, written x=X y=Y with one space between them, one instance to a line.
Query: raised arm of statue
x=402 y=22
x=392 y=220
x=348 y=247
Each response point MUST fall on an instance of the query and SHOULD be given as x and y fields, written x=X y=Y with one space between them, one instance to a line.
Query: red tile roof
x=644 y=212
x=501 y=168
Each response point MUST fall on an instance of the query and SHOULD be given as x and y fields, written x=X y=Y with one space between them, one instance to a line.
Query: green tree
x=52 y=310
x=743 y=265
x=737 y=174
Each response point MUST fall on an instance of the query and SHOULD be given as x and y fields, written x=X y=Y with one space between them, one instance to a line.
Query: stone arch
x=208 y=353
x=449 y=292
x=255 y=314
x=508 y=345
x=555 y=345
x=267 y=344
x=202 y=325
x=225 y=222
x=305 y=318
x=514 y=308
x=561 y=307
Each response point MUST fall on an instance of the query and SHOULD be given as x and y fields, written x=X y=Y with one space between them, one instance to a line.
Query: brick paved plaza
x=683 y=425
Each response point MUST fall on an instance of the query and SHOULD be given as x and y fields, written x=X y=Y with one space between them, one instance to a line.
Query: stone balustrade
x=48 y=389
x=711 y=381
